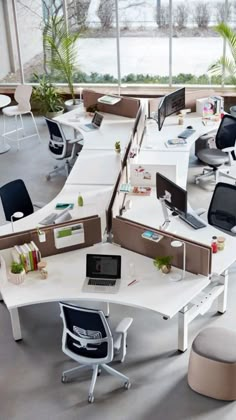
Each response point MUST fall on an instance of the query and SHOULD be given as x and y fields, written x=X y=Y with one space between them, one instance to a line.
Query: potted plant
x=163 y=263
x=17 y=273
x=62 y=55
x=117 y=147
x=47 y=97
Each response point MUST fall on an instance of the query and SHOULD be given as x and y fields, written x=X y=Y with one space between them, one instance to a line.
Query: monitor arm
x=165 y=213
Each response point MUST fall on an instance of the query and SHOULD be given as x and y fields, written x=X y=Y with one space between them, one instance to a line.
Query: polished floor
x=30 y=370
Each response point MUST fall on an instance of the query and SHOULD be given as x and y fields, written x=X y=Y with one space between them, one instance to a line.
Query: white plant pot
x=16 y=278
x=42 y=237
x=70 y=106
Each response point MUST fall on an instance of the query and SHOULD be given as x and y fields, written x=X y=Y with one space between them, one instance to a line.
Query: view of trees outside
x=144 y=39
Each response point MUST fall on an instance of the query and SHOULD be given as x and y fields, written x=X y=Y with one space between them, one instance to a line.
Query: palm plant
x=225 y=64
x=61 y=51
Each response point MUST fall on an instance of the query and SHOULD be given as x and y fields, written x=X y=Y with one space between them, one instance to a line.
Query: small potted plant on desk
x=163 y=263
x=117 y=147
x=17 y=273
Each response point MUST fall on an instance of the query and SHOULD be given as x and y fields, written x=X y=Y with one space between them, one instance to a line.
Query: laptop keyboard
x=101 y=282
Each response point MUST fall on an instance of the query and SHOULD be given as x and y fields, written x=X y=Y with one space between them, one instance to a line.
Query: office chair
x=224 y=154
x=87 y=339
x=15 y=198
x=22 y=97
x=62 y=148
x=222 y=209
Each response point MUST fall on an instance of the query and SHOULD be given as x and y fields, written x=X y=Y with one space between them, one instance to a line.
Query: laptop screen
x=103 y=266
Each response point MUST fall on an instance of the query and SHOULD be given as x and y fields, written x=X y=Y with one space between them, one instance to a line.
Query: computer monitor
x=174 y=196
x=170 y=104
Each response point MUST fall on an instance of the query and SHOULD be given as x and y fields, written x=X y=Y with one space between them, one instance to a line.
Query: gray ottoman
x=212 y=364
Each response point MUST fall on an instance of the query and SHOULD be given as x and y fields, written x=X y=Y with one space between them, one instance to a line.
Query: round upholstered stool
x=212 y=364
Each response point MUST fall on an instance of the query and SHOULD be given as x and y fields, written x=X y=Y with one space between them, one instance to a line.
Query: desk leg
x=222 y=299
x=1 y=299
x=15 y=323
x=183 y=329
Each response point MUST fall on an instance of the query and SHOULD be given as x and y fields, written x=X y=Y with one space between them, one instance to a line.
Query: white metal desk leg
x=15 y=323
x=183 y=329
x=222 y=299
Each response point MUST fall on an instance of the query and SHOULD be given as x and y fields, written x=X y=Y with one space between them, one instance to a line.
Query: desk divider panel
x=127 y=107
x=128 y=235
x=92 y=235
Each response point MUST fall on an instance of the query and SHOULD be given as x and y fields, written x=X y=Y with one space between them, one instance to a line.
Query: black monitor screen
x=170 y=104
x=103 y=266
x=175 y=196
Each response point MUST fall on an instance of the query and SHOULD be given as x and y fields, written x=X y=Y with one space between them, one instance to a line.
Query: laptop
x=103 y=273
x=95 y=124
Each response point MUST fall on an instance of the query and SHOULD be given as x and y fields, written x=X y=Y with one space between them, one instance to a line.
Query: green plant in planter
x=92 y=108
x=16 y=268
x=163 y=263
x=62 y=51
x=117 y=147
x=46 y=96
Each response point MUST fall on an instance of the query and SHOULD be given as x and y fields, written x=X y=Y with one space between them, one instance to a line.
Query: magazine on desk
x=143 y=191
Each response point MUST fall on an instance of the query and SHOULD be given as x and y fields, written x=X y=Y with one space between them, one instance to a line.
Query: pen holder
x=42 y=236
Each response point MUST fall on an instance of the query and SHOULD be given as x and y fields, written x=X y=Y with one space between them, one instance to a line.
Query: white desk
x=114 y=128
x=4 y=101
x=67 y=273
x=96 y=198
x=96 y=168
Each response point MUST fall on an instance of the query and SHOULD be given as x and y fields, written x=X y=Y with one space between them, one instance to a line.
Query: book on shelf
x=143 y=191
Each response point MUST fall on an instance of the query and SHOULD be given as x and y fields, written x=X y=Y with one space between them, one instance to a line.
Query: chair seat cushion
x=11 y=111
x=213 y=157
x=218 y=344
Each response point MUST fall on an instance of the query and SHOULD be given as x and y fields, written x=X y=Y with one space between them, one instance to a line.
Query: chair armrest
x=228 y=149
x=72 y=141
x=123 y=325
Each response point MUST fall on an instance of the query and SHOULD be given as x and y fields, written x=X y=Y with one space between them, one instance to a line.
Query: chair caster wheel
x=99 y=372
x=63 y=379
x=127 y=385
x=90 y=398
x=48 y=177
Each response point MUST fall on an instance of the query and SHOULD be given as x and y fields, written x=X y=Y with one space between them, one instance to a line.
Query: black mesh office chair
x=87 y=339
x=62 y=148
x=224 y=154
x=15 y=198
x=222 y=209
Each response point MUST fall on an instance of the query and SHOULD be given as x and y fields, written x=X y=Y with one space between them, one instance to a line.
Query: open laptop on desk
x=103 y=273
x=175 y=198
x=95 y=124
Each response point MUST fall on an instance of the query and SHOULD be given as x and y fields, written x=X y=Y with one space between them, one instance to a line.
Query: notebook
x=95 y=124
x=103 y=273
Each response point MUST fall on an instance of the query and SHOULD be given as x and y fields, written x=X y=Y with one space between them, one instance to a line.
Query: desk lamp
x=16 y=215
x=177 y=276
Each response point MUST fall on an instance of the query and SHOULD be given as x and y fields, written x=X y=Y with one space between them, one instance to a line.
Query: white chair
x=87 y=339
x=22 y=97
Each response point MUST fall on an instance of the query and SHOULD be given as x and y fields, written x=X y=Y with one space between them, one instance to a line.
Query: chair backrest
x=226 y=133
x=222 y=209
x=22 y=96
x=57 y=143
x=86 y=334
x=15 y=197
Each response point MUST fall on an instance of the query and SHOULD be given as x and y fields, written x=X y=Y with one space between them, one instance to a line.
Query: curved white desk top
x=153 y=291
x=93 y=174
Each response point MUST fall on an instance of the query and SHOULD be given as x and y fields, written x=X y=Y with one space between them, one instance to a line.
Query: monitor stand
x=165 y=213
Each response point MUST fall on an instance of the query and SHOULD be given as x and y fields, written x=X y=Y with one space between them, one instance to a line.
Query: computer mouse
x=190 y=127
x=233 y=229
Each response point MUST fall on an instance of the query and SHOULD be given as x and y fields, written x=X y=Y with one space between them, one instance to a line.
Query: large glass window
x=154 y=42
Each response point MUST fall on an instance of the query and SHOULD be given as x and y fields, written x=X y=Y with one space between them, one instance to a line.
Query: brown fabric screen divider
x=92 y=233
x=127 y=107
x=128 y=235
